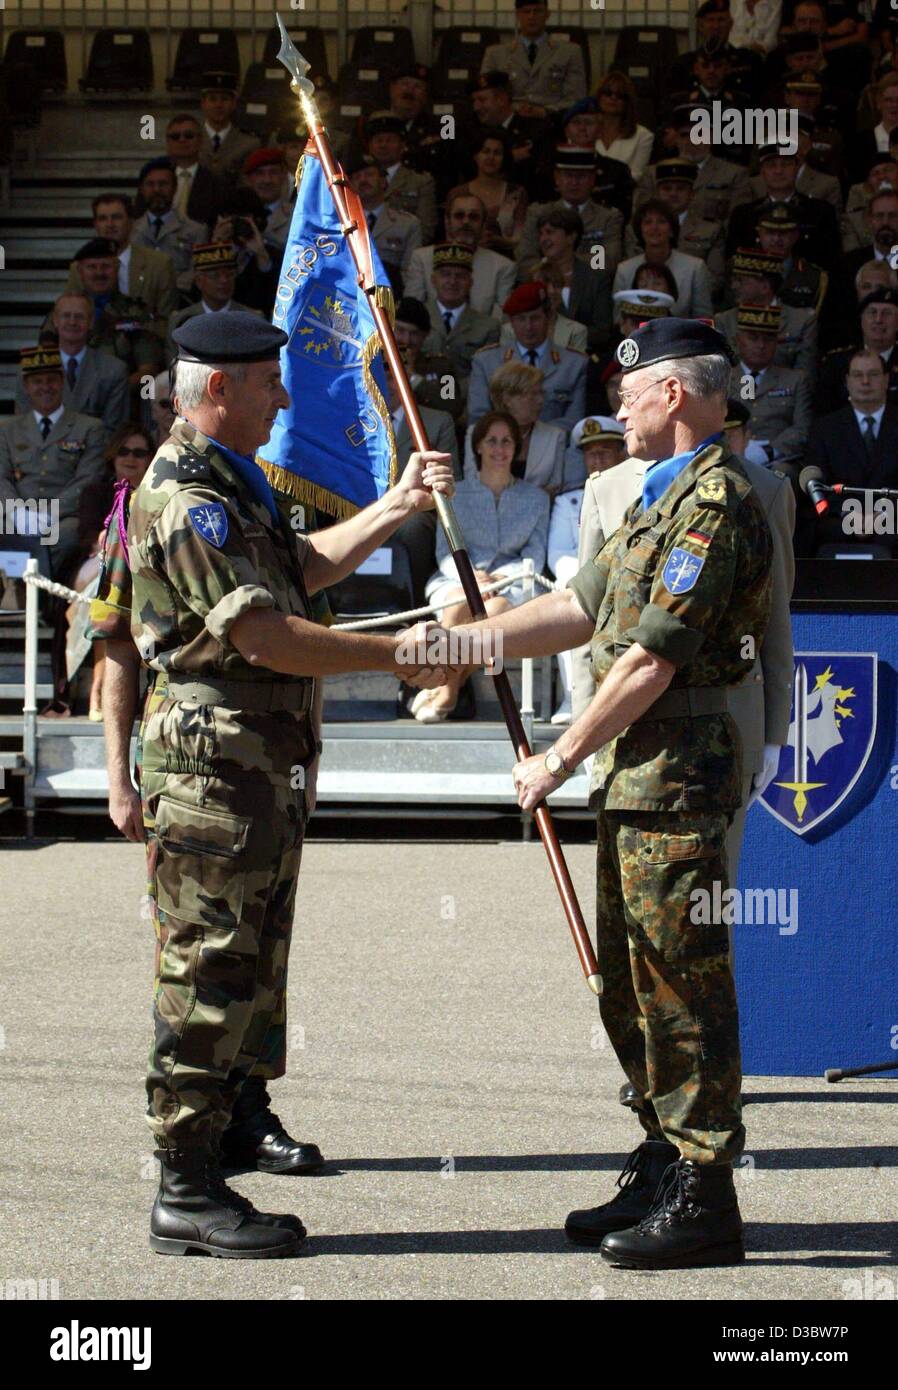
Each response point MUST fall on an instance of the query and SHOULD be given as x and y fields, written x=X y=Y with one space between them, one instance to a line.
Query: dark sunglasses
x=182 y=134
x=124 y=452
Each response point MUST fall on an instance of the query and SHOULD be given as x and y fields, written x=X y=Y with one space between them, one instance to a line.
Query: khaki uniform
x=780 y=407
x=414 y=193
x=719 y=187
x=396 y=235
x=53 y=469
x=471 y=331
x=177 y=238
x=796 y=344
x=555 y=80
x=227 y=162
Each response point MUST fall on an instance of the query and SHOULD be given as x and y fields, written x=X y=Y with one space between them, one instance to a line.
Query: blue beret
x=233 y=336
x=161 y=161
x=660 y=339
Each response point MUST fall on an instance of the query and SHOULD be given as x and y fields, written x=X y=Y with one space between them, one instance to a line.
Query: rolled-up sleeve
x=215 y=578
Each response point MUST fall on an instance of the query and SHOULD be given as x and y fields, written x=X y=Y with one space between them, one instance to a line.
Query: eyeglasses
x=628 y=400
x=124 y=453
x=182 y=134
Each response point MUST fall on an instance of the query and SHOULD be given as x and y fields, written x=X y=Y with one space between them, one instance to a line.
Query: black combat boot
x=255 y=1138
x=196 y=1211
x=694 y=1221
x=638 y=1184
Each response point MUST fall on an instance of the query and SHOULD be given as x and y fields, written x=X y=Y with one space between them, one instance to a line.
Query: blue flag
x=333 y=447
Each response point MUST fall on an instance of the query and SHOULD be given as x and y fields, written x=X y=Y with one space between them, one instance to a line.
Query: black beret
x=660 y=339
x=95 y=248
x=410 y=310
x=487 y=80
x=234 y=336
x=881 y=296
x=161 y=161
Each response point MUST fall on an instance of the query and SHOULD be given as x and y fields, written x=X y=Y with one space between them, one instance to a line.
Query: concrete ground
x=447 y=1057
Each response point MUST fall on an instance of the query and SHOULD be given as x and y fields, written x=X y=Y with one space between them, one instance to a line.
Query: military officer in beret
x=668 y=603
x=162 y=227
x=720 y=185
x=804 y=285
x=50 y=453
x=264 y=171
x=603 y=227
x=214 y=276
x=406 y=190
x=432 y=376
x=778 y=398
x=563 y=369
x=456 y=329
x=396 y=234
x=879 y=334
x=222 y=616
x=122 y=326
x=755 y=278
x=223 y=148
x=547 y=73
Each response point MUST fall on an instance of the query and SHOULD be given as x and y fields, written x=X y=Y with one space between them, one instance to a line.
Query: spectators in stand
x=547 y=73
x=601 y=441
x=804 y=285
x=242 y=220
x=519 y=391
x=504 y=521
x=618 y=133
x=755 y=278
x=214 y=279
x=143 y=275
x=817 y=221
x=720 y=185
x=585 y=293
x=493 y=275
x=614 y=178
x=95 y=383
x=457 y=330
x=563 y=369
x=263 y=172
x=867 y=143
x=223 y=148
x=882 y=177
x=575 y=175
x=431 y=375
x=657 y=231
x=199 y=191
x=492 y=107
x=878 y=333
x=505 y=201
x=778 y=398
x=697 y=236
x=162 y=227
x=395 y=234
x=121 y=326
x=404 y=190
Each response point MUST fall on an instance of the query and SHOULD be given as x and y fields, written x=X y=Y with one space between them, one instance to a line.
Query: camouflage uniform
x=219 y=747
x=667 y=788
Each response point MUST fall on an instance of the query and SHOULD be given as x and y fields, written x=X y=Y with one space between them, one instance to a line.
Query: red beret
x=259 y=158
x=526 y=297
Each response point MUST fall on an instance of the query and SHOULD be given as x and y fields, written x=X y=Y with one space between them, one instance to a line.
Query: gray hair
x=701 y=376
x=191 y=379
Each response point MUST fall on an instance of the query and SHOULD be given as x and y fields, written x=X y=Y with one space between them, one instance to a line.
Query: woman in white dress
x=620 y=136
x=657 y=230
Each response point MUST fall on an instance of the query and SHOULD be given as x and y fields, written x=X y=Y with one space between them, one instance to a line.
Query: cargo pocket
x=682 y=882
x=201 y=865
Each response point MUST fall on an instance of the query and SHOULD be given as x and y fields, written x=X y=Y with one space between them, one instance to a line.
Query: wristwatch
x=555 y=764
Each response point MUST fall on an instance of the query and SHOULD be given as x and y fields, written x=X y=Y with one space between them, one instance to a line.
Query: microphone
x=810 y=480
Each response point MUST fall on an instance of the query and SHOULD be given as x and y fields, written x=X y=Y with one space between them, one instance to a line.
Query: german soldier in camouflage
x=222 y=616
x=677 y=602
x=255 y=1136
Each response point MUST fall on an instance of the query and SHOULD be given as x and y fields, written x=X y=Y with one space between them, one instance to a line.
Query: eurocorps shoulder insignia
x=628 y=352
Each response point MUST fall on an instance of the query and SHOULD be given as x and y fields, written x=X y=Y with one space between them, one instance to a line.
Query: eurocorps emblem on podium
x=830 y=737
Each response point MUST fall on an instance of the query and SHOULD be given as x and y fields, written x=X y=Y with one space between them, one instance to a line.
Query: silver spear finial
x=295 y=63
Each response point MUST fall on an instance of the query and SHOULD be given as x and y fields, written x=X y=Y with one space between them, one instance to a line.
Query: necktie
x=447 y=320
x=216 y=143
x=372 y=218
x=531 y=53
x=868 y=435
x=71 y=373
x=157 y=227
x=532 y=356
x=46 y=426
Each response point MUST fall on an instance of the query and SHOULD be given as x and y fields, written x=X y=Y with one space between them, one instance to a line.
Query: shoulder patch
x=681 y=570
x=191 y=466
x=211 y=522
x=712 y=490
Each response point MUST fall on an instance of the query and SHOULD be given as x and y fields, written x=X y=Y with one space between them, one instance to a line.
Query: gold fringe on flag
x=305 y=491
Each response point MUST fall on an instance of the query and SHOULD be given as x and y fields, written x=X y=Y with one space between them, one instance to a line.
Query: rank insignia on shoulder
x=211 y=522
x=191 y=466
x=681 y=570
x=712 y=490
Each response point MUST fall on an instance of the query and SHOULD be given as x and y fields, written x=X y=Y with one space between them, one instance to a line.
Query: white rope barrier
x=59 y=590
x=390 y=619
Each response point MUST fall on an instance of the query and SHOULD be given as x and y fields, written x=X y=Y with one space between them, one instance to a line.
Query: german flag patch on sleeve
x=698 y=537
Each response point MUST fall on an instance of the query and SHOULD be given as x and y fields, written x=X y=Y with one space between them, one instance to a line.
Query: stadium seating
x=646 y=52
x=265 y=99
x=120 y=61
x=390 y=48
x=366 y=594
x=44 y=51
x=201 y=51
x=359 y=90
x=458 y=63
x=310 y=42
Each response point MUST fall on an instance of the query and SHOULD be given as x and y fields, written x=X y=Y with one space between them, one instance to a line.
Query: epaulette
x=487 y=347
x=192 y=466
x=712 y=490
x=848 y=347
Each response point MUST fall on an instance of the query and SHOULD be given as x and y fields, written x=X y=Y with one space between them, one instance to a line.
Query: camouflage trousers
x=223 y=860
x=668 y=1000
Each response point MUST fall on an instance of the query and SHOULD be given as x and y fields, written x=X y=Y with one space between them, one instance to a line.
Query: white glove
x=759 y=451
x=761 y=780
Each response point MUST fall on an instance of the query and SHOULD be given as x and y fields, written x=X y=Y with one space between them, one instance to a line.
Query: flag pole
x=354 y=228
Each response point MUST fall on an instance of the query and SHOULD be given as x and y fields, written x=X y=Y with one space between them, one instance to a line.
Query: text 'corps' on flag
x=333 y=448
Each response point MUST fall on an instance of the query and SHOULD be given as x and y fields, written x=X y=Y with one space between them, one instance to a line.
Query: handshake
x=427 y=654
